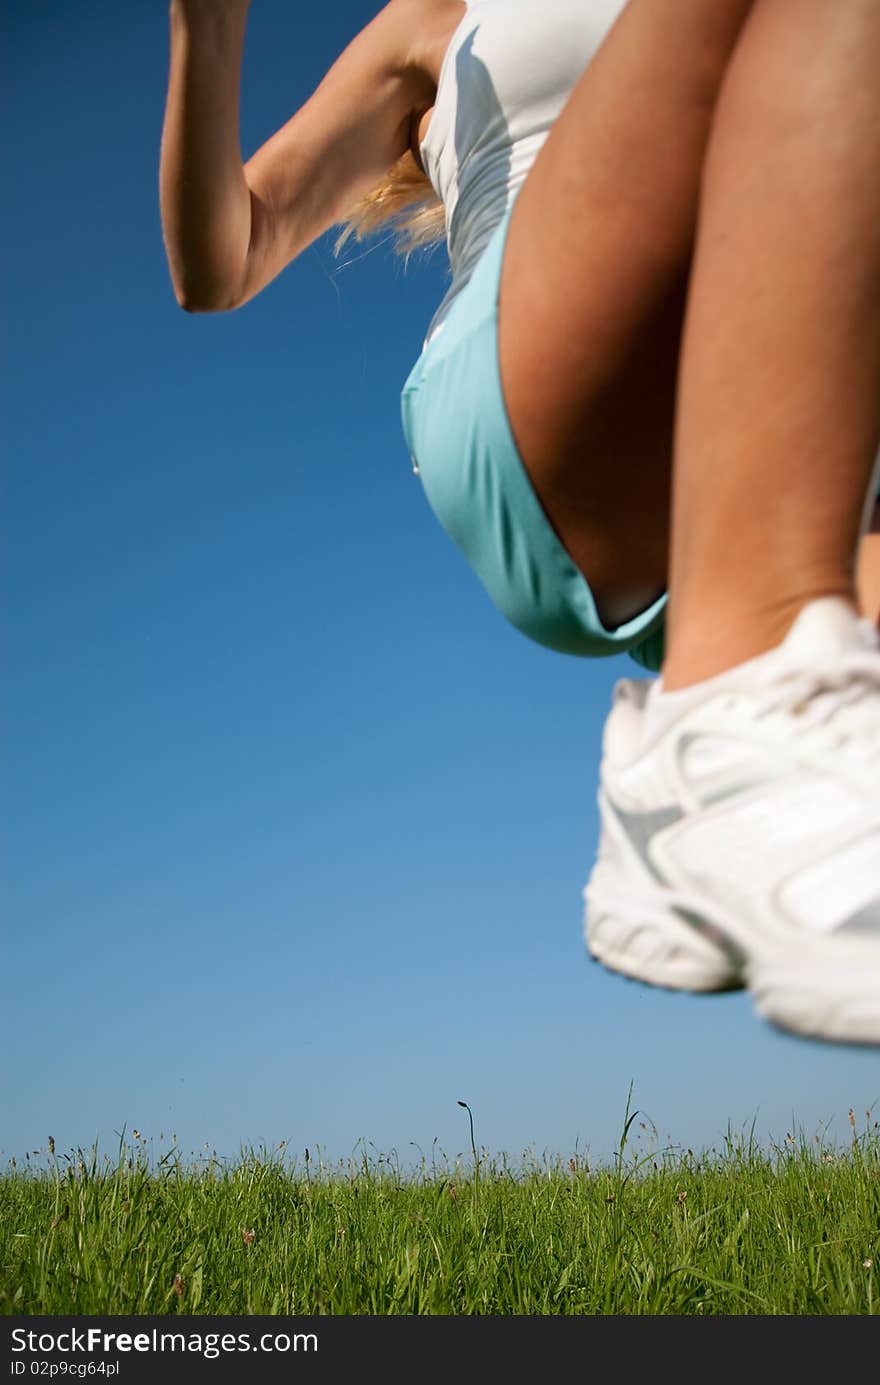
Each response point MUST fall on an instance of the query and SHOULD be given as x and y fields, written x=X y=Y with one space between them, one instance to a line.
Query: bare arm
x=204 y=197
x=229 y=227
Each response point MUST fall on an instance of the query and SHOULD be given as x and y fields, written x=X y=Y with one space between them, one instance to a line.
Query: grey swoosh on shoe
x=866 y=920
x=640 y=828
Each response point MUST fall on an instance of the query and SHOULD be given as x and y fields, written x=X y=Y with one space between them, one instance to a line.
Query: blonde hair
x=406 y=202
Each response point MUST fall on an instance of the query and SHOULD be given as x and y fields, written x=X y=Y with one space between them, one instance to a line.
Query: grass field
x=795 y=1230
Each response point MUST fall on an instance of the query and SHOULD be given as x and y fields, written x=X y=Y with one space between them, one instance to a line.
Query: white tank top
x=506 y=74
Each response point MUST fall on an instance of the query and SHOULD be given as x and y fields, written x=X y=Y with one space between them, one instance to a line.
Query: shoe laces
x=839 y=701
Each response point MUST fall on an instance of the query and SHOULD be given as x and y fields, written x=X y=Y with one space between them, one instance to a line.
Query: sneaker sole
x=826 y=988
x=644 y=938
x=836 y=998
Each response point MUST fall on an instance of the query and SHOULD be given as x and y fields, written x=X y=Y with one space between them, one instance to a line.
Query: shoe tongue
x=824 y=627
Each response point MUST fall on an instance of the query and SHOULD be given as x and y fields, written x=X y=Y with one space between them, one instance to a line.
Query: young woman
x=647 y=411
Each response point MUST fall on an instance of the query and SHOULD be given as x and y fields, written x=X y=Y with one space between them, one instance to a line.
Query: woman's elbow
x=206 y=298
x=205 y=285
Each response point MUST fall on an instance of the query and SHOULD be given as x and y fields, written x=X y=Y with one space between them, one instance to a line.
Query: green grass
x=741 y=1231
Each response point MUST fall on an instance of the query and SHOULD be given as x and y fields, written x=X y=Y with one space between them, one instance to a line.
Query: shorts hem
x=458 y=431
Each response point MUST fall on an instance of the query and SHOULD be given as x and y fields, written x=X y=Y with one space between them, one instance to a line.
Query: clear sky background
x=294 y=825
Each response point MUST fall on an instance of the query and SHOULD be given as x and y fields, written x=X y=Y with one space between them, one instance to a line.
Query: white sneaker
x=740 y=830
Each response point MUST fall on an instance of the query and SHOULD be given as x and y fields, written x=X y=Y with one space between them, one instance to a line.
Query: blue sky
x=294 y=825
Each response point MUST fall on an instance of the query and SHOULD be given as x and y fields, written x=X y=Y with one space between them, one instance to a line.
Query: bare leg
x=594 y=286
x=779 y=393
x=868 y=571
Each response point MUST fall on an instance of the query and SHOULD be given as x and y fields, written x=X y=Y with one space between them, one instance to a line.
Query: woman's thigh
x=593 y=289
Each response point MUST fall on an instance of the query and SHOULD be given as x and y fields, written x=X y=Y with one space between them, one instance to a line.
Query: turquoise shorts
x=459 y=436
